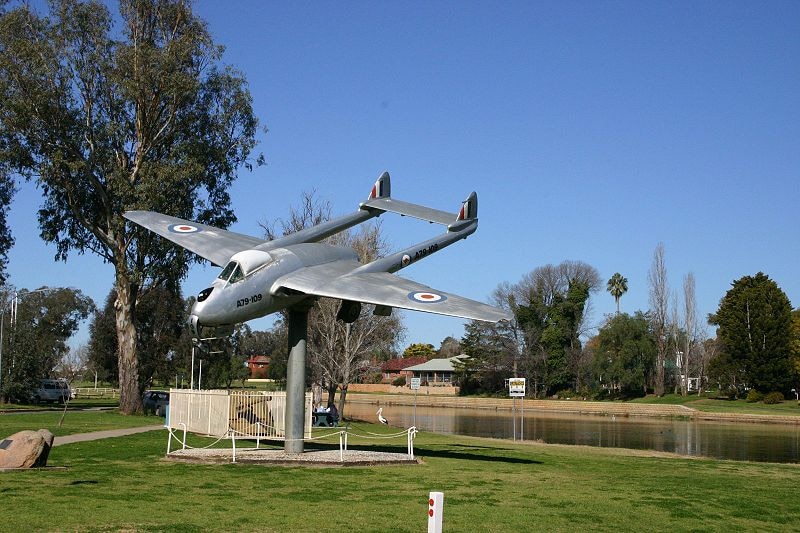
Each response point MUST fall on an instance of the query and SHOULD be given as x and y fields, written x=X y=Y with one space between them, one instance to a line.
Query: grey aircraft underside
x=261 y=277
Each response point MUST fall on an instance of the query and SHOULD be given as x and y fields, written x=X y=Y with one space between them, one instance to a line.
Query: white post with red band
x=435 y=511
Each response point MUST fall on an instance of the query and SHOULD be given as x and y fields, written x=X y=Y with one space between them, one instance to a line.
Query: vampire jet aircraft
x=261 y=277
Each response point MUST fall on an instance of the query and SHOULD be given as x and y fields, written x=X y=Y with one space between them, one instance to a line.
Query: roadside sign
x=415 y=383
x=516 y=387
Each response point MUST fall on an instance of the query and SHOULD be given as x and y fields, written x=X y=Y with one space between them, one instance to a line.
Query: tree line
x=109 y=113
x=661 y=349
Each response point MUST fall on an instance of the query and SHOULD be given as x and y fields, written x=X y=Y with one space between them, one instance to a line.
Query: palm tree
x=617 y=286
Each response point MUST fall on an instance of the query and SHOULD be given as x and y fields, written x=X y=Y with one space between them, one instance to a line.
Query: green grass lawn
x=714 y=405
x=78 y=403
x=74 y=422
x=489 y=485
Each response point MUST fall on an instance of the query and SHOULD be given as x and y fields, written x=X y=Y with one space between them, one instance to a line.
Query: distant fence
x=91 y=392
x=224 y=414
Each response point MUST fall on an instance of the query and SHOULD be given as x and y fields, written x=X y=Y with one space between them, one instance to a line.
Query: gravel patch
x=279 y=457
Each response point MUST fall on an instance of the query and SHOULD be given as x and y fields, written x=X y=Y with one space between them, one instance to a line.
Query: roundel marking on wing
x=426 y=297
x=183 y=228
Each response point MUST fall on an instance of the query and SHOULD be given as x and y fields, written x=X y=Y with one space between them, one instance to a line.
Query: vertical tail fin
x=382 y=187
x=469 y=208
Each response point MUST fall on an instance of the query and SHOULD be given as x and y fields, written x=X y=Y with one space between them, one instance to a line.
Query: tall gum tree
x=108 y=119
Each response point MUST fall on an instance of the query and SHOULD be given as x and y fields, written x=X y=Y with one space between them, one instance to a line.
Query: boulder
x=26 y=449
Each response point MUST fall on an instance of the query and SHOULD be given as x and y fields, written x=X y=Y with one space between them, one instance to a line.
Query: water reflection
x=722 y=440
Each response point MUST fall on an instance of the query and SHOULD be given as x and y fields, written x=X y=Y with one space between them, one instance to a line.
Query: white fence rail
x=91 y=392
x=238 y=414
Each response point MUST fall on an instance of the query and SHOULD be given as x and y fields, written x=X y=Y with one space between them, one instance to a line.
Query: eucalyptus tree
x=160 y=319
x=617 y=286
x=7 y=190
x=106 y=119
x=35 y=336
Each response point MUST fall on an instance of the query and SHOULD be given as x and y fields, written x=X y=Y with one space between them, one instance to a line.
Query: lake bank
x=624 y=409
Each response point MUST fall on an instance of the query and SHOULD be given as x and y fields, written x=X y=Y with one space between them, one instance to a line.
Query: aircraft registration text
x=426 y=251
x=247 y=301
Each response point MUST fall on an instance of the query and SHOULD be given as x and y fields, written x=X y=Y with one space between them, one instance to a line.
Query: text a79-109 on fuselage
x=261 y=277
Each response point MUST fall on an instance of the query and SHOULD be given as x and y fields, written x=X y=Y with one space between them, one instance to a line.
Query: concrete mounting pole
x=296 y=379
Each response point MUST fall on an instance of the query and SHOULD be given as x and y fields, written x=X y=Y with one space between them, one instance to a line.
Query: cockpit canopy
x=243 y=264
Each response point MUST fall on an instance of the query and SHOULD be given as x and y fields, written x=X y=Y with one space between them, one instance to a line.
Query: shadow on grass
x=467 y=455
x=465 y=452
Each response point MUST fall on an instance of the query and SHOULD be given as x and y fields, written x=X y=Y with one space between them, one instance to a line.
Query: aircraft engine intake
x=194 y=326
x=349 y=311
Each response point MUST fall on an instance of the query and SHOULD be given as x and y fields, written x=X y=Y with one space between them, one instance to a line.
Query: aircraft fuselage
x=240 y=295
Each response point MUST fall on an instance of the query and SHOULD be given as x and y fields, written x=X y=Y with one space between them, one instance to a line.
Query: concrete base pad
x=279 y=457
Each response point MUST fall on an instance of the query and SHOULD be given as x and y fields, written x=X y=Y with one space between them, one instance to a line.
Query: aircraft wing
x=383 y=288
x=216 y=245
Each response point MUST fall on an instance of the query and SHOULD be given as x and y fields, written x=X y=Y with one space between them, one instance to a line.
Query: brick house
x=435 y=372
x=394 y=368
x=259 y=366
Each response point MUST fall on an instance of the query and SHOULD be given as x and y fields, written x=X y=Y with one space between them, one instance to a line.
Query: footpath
x=96 y=435
x=580 y=407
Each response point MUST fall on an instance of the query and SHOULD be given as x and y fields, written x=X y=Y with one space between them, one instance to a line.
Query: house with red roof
x=395 y=368
x=259 y=366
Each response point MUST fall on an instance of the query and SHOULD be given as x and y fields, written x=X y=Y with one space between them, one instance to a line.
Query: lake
x=778 y=443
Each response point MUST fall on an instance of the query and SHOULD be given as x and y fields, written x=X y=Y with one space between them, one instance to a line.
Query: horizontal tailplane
x=379 y=200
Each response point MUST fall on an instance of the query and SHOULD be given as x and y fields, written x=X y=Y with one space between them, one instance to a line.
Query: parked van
x=52 y=390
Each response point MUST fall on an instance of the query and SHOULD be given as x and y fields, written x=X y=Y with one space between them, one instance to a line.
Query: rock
x=48 y=440
x=26 y=449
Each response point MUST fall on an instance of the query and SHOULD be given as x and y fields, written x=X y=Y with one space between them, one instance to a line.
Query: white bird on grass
x=381 y=419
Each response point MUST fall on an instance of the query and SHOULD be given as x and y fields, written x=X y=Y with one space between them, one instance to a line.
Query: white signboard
x=516 y=387
x=415 y=383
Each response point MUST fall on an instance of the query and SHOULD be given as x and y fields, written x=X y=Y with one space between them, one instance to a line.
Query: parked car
x=156 y=401
x=52 y=390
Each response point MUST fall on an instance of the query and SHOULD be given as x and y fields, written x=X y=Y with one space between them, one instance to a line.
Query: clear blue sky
x=591 y=131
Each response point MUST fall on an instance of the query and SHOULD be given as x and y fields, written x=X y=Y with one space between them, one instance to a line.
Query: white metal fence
x=89 y=392
x=222 y=413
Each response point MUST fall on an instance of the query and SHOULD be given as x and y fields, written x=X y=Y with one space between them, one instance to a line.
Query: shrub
x=773 y=398
x=399 y=382
x=754 y=396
